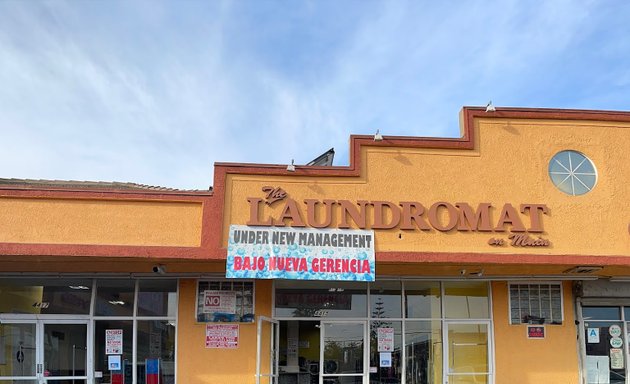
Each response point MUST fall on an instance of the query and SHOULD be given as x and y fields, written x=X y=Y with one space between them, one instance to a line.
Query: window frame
x=570 y=172
x=225 y=280
x=536 y=283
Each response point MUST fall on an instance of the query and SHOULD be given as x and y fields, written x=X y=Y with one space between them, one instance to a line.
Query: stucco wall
x=508 y=164
x=520 y=360
x=197 y=364
x=105 y=222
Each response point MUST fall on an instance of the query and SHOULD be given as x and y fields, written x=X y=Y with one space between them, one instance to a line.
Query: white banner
x=300 y=254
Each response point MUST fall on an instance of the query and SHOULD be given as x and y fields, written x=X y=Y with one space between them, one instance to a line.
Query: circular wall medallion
x=572 y=172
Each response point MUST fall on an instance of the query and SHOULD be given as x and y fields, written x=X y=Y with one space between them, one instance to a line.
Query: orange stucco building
x=500 y=256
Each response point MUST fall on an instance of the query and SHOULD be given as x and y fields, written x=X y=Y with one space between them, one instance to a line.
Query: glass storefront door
x=43 y=352
x=268 y=334
x=18 y=353
x=64 y=352
x=467 y=353
x=343 y=352
x=390 y=331
x=54 y=330
x=604 y=344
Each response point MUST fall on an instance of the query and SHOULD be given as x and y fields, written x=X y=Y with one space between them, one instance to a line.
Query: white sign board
x=592 y=335
x=113 y=341
x=616 y=358
x=219 y=301
x=222 y=336
x=300 y=254
x=385 y=339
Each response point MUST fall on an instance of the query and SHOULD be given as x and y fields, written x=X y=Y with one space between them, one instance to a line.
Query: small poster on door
x=114 y=363
x=592 y=335
x=113 y=341
x=385 y=338
x=616 y=358
x=385 y=359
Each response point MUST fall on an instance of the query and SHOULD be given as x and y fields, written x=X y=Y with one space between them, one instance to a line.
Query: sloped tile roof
x=81 y=184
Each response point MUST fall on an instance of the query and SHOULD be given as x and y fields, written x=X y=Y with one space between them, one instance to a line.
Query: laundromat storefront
x=389 y=331
x=80 y=330
x=425 y=260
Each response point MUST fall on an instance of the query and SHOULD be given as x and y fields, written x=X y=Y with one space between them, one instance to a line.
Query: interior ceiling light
x=82 y=287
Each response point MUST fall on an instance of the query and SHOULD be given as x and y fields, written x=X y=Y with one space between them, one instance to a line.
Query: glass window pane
x=100 y=354
x=601 y=313
x=64 y=381
x=562 y=181
x=393 y=345
x=423 y=351
x=572 y=172
x=536 y=303
x=157 y=298
x=343 y=348
x=225 y=301
x=114 y=297
x=515 y=309
x=422 y=299
x=468 y=379
x=385 y=299
x=156 y=348
x=601 y=347
x=65 y=350
x=21 y=381
x=321 y=299
x=468 y=348
x=46 y=296
x=299 y=346
x=466 y=300
x=579 y=188
x=268 y=349
x=18 y=343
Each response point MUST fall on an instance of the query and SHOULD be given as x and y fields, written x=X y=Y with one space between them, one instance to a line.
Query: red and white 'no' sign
x=219 y=301
x=213 y=301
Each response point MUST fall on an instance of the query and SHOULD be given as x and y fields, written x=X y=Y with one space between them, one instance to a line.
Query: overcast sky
x=155 y=92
